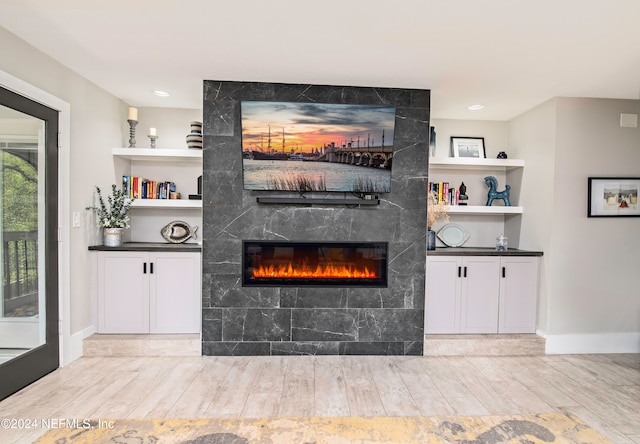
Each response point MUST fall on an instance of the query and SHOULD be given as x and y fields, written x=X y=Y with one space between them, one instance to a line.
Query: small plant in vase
x=113 y=215
x=436 y=210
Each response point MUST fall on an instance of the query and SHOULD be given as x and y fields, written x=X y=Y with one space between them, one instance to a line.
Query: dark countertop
x=474 y=251
x=150 y=246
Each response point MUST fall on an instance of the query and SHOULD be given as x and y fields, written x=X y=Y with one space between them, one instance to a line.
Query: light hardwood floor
x=602 y=390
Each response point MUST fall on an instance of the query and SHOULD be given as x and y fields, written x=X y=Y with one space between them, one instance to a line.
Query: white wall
x=532 y=137
x=590 y=264
x=95 y=127
x=98 y=123
x=493 y=131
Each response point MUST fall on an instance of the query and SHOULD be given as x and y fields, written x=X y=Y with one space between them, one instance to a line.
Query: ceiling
x=507 y=55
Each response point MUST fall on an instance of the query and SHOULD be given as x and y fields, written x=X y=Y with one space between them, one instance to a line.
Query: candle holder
x=132 y=132
x=153 y=140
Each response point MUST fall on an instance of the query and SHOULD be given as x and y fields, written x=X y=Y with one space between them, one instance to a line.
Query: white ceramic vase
x=112 y=236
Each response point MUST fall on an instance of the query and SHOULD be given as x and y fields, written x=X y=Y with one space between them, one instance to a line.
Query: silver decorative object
x=178 y=232
x=132 y=132
x=153 y=140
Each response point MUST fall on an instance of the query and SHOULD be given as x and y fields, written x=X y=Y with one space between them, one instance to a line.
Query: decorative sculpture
x=492 y=183
x=178 y=232
x=463 y=194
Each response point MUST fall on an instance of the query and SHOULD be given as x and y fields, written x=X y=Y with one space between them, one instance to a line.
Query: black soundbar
x=317 y=201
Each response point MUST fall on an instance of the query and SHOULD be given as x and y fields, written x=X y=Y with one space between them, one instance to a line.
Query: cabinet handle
x=465 y=271
x=144 y=268
x=459 y=271
x=504 y=272
x=151 y=267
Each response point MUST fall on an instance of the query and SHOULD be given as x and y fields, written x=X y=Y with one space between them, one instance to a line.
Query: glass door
x=28 y=237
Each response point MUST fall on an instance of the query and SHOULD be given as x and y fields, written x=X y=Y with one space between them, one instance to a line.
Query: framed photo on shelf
x=613 y=197
x=468 y=147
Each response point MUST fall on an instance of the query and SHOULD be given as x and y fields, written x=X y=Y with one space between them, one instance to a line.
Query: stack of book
x=139 y=188
x=444 y=193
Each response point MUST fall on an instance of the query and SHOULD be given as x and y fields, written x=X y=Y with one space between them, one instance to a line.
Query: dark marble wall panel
x=324 y=324
x=392 y=325
x=239 y=320
x=305 y=348
x=371 y=348
x=256 y=325
x=244 y=348
x=306 y=297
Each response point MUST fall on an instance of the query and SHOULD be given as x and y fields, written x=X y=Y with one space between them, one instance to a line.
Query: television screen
x=291 y=146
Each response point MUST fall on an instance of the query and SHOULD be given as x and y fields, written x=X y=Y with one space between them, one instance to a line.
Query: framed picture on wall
x=613 y=197
x=468 y=147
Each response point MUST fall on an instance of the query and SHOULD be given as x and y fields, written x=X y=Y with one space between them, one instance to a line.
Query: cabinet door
x=123 y=292
x=443 y=295
x=175 y=293
x=518 y=294
x=480 y=294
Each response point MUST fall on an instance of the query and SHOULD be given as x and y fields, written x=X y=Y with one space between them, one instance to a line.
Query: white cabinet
x=518 y=294
x=148 y=292
x=481 y=294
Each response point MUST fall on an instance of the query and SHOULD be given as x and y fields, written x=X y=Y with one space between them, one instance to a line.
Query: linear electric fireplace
x=326 y=264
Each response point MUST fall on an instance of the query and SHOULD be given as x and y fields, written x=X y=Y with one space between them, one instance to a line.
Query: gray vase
x=431 y=240
x=194 y=138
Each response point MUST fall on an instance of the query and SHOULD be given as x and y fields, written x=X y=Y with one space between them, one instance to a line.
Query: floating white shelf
x=156 y=154
x=479 y=209
x=167 y=203
x=473 y=163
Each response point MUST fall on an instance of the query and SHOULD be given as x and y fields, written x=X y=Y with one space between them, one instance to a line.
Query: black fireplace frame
x=381 y=282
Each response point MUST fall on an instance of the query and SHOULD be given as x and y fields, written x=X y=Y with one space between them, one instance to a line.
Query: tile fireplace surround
x=272 y=320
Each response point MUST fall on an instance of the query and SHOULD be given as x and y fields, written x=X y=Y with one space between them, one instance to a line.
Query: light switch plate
x=628 y=120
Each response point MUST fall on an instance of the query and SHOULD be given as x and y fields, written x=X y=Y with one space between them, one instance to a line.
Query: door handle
x=465 y=271
x=459 y=271
x=151 y=267
x=144 y=268
x=504 y=272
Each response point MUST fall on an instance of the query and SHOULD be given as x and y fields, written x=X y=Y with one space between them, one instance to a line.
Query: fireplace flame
x=329 y=271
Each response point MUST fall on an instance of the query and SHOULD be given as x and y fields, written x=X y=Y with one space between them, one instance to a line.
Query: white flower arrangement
x=115 y=215
x=436 y=210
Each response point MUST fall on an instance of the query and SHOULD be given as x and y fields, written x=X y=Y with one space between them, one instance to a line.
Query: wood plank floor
x=603 y=390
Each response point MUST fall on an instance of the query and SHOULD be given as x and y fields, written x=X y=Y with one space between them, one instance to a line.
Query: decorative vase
x=194 y=138
x=431 y=240
x=112 y=236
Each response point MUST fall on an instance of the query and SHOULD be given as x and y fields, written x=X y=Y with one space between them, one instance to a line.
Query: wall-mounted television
x=307 y=147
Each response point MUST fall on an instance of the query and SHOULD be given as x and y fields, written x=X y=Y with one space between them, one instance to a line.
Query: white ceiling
x=509 y=55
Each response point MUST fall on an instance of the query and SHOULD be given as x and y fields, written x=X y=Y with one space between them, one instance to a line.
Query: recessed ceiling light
x=475 y=107
x=160 y=93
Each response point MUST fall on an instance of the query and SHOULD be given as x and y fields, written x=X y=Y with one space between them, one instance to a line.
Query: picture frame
x=468 y=147
x=613 y=197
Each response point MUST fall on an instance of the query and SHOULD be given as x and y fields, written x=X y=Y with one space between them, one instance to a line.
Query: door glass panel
x=22 y=209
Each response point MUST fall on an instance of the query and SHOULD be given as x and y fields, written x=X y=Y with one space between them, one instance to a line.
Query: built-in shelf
x=316 y=201
x=484 y=210
x=156 y=154
x=444 y=163
x=167 y=203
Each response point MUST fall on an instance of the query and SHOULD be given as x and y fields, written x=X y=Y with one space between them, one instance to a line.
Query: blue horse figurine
x=492 y=183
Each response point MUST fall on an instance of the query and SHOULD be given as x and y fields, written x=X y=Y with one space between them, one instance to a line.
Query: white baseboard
x=593 y=343
x=74 y=348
